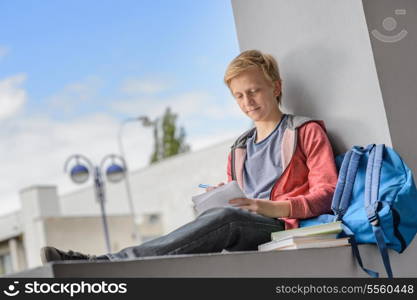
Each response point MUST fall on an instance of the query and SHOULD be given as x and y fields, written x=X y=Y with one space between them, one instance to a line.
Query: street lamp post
x=145 y=122
x=99 y=188
x=80 y=173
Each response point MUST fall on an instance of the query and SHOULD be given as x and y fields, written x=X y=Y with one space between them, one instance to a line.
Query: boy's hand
x=267 y=208
x=248 y=204
x=210 y=188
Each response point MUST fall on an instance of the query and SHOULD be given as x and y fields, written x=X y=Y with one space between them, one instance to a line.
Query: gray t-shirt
x=263 y=162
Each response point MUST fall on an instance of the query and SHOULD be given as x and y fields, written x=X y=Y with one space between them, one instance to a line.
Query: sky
x=72 y=71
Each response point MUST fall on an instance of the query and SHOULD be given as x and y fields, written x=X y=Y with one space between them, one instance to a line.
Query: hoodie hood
x=293 y=122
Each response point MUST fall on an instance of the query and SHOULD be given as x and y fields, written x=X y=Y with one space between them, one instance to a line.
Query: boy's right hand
x=210 y=188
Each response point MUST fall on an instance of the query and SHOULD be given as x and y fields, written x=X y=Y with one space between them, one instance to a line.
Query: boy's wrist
x=272 y=209
x=283 y=209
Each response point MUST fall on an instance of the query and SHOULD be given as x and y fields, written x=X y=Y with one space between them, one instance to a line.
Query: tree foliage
x=168 y=139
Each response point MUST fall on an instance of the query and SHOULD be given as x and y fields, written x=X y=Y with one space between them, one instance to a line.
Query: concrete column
x=14 y=253
x=38 y=202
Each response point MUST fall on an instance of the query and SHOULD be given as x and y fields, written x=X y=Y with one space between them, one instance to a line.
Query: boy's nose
x=249 y=99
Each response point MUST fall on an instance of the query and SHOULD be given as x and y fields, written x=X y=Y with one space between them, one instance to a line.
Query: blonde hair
x=249 y=59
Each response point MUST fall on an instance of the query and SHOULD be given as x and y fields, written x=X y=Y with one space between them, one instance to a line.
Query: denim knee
x=226 y=213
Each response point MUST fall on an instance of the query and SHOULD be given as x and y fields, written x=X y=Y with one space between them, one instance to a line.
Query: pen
x=204 y=186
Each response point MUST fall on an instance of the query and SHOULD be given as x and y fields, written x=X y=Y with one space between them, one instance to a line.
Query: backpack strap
x=342 y=196
x=344 y=187
x=355 y=251
x=341 y=182
x=373 y=174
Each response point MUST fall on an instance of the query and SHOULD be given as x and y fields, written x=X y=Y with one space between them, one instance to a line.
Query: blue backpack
x=376 y=200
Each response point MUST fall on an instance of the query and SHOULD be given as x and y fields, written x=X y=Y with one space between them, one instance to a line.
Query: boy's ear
x=277 y=87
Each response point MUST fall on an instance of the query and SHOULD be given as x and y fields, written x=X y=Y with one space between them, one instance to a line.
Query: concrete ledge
x=325 y=262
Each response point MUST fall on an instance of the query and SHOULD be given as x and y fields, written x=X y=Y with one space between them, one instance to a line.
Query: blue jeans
x=216 y=229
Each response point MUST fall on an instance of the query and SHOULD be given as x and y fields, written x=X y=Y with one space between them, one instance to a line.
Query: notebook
x=327 y=228
x=303 y=242
x=218 y=197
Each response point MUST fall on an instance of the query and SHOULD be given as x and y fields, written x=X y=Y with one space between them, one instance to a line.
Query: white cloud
x=200 y=142
x=134 y=86
x=187 y=105
x=75 y=94
x=12 y=96
x=3 y=51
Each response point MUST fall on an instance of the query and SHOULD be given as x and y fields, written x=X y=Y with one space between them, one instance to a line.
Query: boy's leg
x=217 y=229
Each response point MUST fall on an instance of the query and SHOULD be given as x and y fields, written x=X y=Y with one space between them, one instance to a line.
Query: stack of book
x=318 y=236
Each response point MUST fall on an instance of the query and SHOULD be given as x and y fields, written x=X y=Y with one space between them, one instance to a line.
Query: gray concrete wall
x=393 y=33
x=326 y=60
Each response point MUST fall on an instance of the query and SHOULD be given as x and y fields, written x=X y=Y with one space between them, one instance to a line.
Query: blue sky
x=71 y=71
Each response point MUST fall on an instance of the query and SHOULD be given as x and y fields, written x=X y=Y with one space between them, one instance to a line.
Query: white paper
x=218 y=197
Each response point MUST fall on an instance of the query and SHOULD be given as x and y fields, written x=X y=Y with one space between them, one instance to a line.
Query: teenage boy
x=285 y=165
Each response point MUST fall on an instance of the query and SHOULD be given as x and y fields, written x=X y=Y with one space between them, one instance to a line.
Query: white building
x=162 y=199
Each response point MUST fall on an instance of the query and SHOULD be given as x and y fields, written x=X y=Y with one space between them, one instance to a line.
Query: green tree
x=168 y=140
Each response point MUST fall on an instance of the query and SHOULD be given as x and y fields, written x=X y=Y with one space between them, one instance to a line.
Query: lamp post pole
x=135 y=232
x=99 y=188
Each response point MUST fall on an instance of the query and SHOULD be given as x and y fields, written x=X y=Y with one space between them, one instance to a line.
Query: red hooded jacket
x=309 y=177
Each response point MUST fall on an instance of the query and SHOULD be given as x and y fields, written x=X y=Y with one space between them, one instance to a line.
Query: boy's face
x=255 y=95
